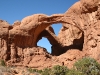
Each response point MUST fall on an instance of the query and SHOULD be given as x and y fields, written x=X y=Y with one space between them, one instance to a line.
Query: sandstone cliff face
x=78 y=37
x=4 y=32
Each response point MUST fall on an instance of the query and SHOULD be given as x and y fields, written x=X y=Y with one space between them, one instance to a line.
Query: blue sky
x=12 y=10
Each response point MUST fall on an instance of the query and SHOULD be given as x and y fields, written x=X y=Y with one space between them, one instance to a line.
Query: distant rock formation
x=78 y=37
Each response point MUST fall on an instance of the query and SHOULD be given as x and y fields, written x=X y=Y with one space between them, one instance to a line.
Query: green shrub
x=30 y=70
x=2 y=63
x=59 y=70
x=88 y=66
x=46 y=71
x=74 y=72
x=56 y=70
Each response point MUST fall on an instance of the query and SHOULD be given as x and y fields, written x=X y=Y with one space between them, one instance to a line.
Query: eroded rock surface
x=78 y=37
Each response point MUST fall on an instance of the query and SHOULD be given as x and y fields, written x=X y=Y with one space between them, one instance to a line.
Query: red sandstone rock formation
x=78 y=37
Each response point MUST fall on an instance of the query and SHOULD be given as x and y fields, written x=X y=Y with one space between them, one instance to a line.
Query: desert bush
x=56 y=70
x=74 y=72
x=59 y=70
x=46 y=71
x=32 y=70
x=35 y=71
x=2 y=63
x=88 y=66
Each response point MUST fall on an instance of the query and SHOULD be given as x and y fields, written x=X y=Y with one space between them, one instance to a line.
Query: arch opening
x=57 y=28
x=45 y=44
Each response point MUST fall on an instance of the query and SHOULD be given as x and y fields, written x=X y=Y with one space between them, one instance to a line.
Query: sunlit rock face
x=78 y=37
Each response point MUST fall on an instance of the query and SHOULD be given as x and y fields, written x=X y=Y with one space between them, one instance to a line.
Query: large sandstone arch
x=24 y=35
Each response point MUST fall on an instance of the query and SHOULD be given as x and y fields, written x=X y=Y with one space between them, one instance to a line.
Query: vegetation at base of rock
x=34 y=70
x=2 y=63
x=85 y=66
x=74 y=72
x=88 y=66
x=56 y=70
x=59 y=70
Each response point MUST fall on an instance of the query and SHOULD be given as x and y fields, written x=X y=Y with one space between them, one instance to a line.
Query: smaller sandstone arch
x=57 y=47
x=52 y=38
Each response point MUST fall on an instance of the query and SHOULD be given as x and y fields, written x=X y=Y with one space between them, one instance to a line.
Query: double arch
x=33 y=28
